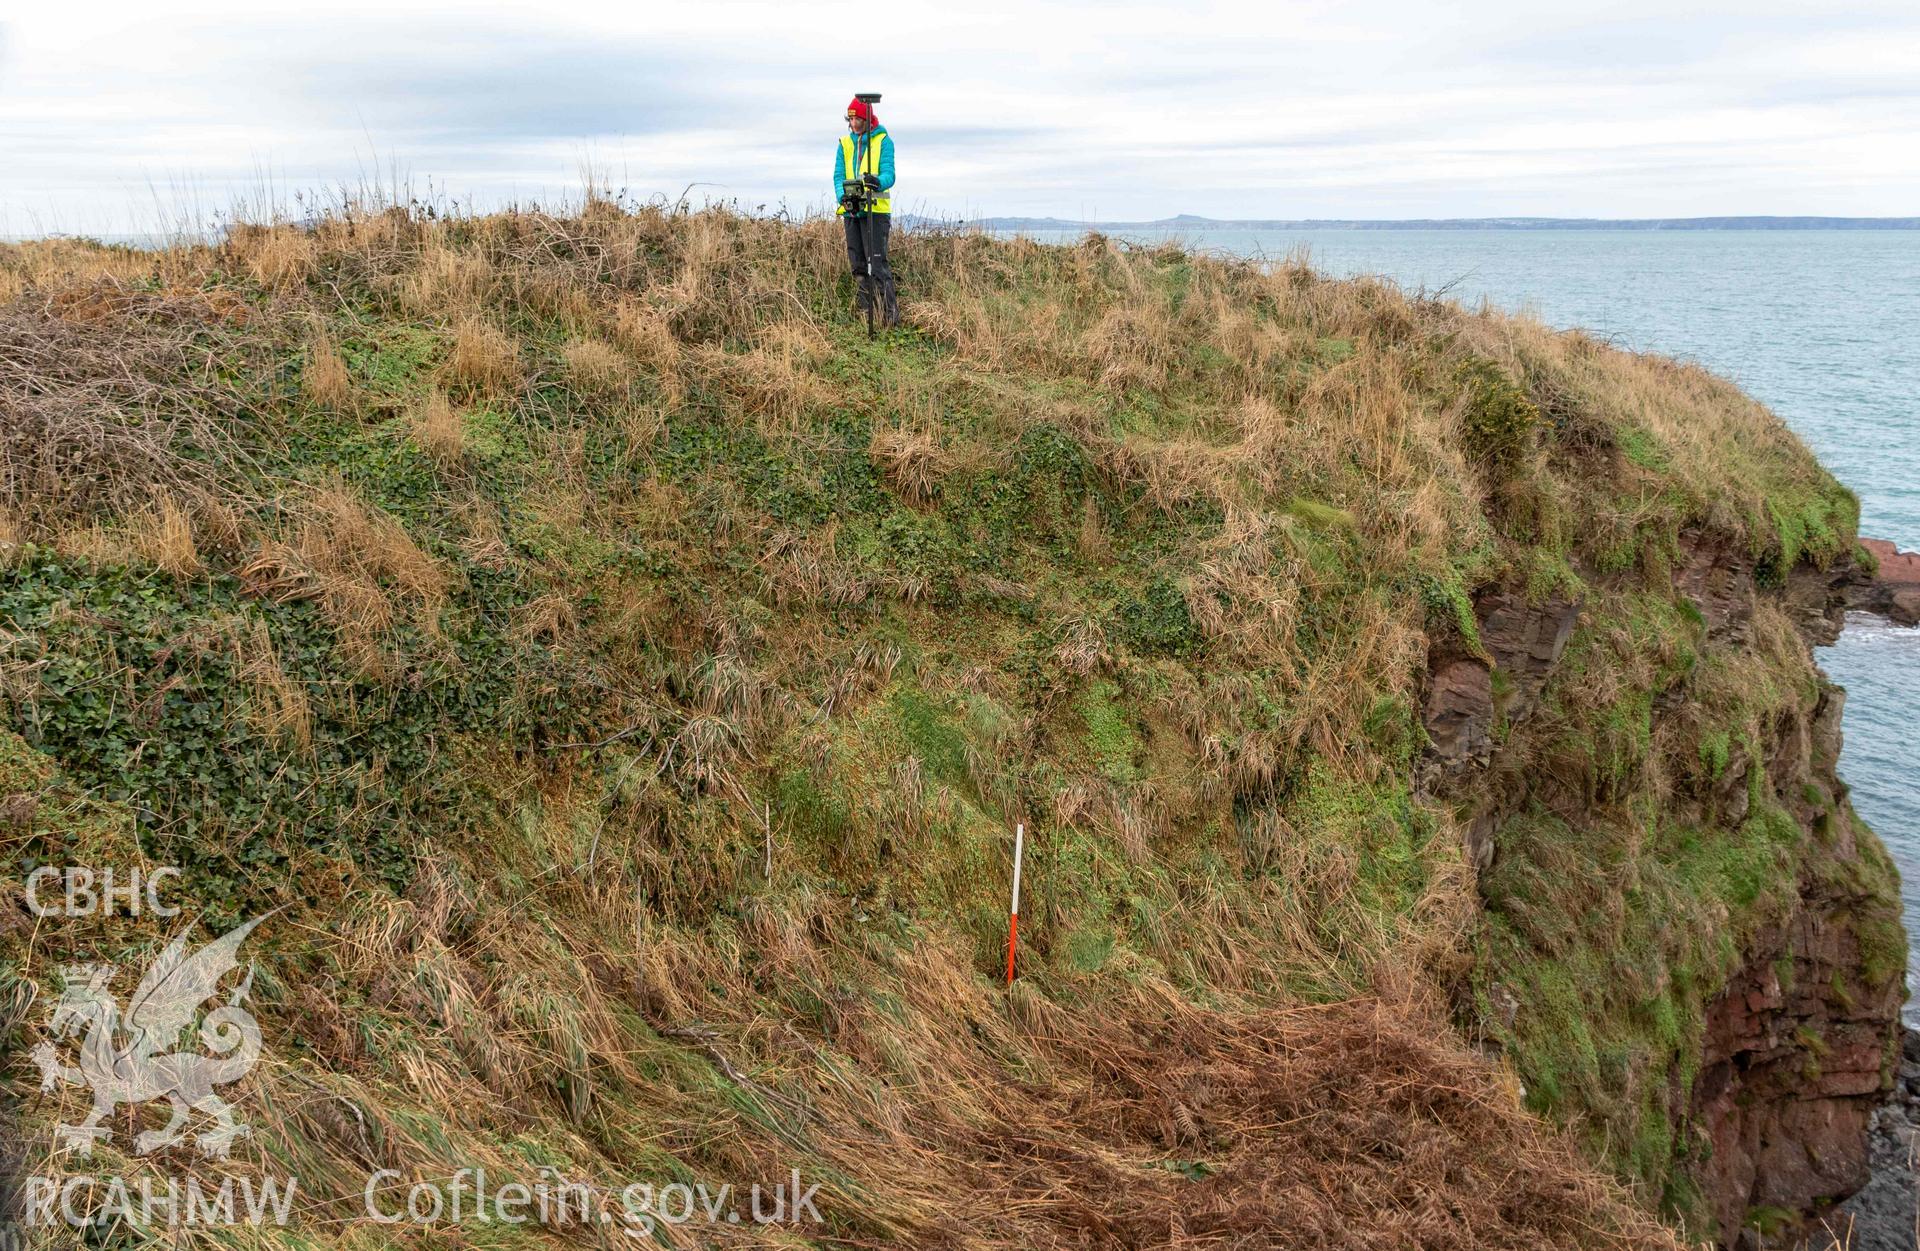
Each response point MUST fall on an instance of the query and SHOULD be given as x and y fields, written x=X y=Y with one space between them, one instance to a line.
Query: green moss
x=1883 y=947
x=1548 y=573
x=1378 y=823
x=1651 y=1152
x=1087 y=949
x=933 y=734
x=818 y=817
x=1806 y=518
x=1322 y=516
x=1052 y=473
x=1111 y=738
x=1811 y=1041
x=1614 y=979
x=1333 y=351
x=492 y=436
x=1714 y=750
x=1448 y=604
x=1393 y=728
x=1643 y=449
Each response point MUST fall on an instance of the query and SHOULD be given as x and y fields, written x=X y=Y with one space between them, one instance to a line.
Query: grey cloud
x=541 y=92
x=1902 y=90
x=499 y=83
x=1637 y=48
x=975 y=136
x=1463 y=104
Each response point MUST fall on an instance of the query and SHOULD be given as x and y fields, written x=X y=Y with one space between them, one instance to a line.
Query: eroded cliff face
x=1796 y=1048
x=1716 y=1002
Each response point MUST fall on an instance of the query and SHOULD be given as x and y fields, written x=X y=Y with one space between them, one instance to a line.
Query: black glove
x=871 y=180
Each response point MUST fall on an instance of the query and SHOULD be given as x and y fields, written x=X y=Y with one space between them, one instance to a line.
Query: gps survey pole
x=866 y=248
x=863 y=208
x=856 y=200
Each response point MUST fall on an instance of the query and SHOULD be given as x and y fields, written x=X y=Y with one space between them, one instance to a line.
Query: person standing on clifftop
x=864 y=158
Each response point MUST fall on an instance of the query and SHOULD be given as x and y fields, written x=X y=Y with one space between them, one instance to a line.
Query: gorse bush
x=1500 y=423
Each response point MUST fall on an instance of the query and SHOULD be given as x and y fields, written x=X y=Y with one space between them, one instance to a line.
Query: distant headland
x=1187 y=221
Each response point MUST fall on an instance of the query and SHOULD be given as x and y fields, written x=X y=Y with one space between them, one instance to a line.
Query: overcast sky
x=112 y=114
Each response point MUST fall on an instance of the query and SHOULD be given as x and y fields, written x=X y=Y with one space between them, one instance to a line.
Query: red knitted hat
x=861 y=109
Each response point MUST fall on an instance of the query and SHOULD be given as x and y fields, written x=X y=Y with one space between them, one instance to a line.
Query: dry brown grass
x=481 y=536
x=447 y=280
x=911 y=461
x=1175 y=473
x=1316 y=1124
x=278 y=704
x=345 y=535
x=1091 y=541
x=101 y=413
x=221 y=523
x=282 y=257
x=380 y=233
x=799 y=342
x=357 y=561
x=1131 y=346
x=732 y=276
x=439 y=430
x=558 y=297
x=800 y=571
x=641 y=426
x=549 y=617
x=95 y=544
x=613 y=1032
x=484 y=360
x=595 y=367
x=930 y=316
x=50 y=264
x=646 y=334
x=1719 y=442
x=324 y=375
x=162 y=535
x=767 y=384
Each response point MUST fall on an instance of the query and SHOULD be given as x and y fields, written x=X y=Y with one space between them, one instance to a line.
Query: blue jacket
x=859 y=159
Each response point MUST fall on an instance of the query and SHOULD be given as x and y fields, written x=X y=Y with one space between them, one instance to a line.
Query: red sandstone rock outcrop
x=1894 y=591
x=1795 y=1048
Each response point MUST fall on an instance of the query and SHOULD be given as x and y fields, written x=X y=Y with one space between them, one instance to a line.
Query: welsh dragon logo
x=131 y=1059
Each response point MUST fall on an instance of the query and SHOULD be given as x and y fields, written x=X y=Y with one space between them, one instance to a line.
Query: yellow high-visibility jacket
x=871 y=153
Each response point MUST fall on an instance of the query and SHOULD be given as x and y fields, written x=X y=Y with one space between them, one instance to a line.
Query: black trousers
x=878 y=227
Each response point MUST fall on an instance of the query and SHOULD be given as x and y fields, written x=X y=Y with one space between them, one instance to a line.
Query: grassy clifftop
x=627 y=678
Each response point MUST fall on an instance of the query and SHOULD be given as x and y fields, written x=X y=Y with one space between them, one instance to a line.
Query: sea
x=1823 y=326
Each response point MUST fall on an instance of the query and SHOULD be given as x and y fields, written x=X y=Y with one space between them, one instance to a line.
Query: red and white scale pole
x=1013 y=915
